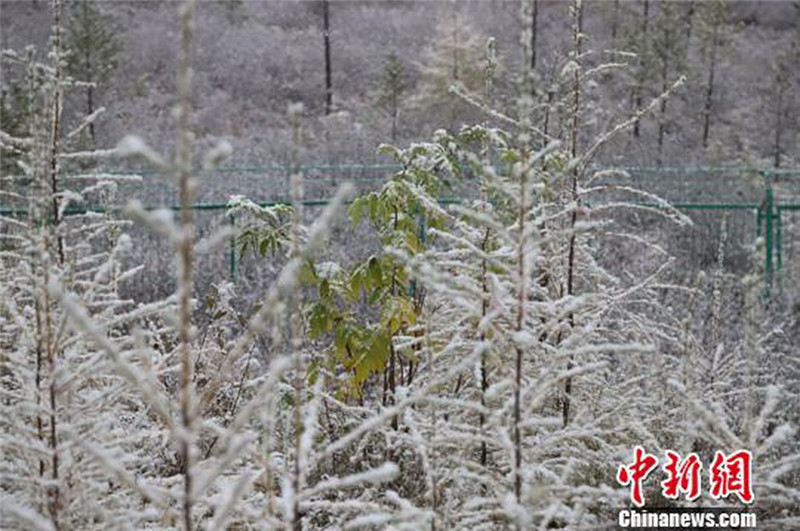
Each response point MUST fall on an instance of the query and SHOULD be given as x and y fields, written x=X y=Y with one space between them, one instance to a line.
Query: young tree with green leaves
x=400 y=213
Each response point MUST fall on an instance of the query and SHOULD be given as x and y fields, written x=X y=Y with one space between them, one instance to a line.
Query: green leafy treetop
x=400 y=213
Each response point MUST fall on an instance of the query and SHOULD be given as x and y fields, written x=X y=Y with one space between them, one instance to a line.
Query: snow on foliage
x=484 y=368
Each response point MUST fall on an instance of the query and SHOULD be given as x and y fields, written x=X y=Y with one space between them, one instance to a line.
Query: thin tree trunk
x=574 y=129
x=640 y=74
x=39 y=369
x=486 y=154
x=522 y=297
x=614 y=24
x=184 y=164
x=55 y=136
x=456 y=71
x=392 y=377
x=664 y=86
x=534 y=28
x=90 y=96
x=299 y=377
x=90 y=109
x=50 y=348
x=688 y=21
x=710 y=87
x=484 y=369
x=520 y=321
x=546 y=122
x=326 y=36
x=778 y=109
x=433 y=484
x=54 y=490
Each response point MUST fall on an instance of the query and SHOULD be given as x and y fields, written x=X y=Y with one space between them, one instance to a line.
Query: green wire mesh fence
x=757 y=204
x=768 y=197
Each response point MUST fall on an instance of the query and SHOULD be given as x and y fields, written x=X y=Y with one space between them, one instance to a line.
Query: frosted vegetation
x=488 y=366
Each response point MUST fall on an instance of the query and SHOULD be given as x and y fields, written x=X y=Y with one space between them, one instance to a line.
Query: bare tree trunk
x=487 y=160
x=710 y=87
x=640 y=74
x=664 y=87
x=326 y=36
x=184 y=165
x=50 y=347
x=456 y=71
x=392 y=377
x=55 y=136
x=688 y=21
x=90 y=109
x=521 y=299
x=534 y=28
x=614 y=23
x=90 y=97
x=520 y=322
x=39 y=369
x=54 y=489
x=573 y=146
x=778 y=110
x=484 y=376
x=546 y=122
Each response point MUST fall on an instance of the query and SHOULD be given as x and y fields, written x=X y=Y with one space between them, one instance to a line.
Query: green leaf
x=373 y=358
x=264 y=246
x=319 y=320
x=375 y=271
x=412 y=243
x=325 y=289
x=357 y=209
x=308 y=274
